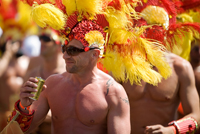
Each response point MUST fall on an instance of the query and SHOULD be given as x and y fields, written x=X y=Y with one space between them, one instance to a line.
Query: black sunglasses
x=45 y=38
x=74 y=51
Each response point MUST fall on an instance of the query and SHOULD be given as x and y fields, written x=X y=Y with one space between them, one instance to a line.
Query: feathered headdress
x=107 y=23
x=161 y=15
x=189 y=16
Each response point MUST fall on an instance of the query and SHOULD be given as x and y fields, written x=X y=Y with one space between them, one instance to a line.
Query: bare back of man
x=153 y=105
x=80 y=109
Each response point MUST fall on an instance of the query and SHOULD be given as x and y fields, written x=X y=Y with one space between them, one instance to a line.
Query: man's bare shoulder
x=180 y=65
x=55 y=78
x=115 y=93
x=112 y=86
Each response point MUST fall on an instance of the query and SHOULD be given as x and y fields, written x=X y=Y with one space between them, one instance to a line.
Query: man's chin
x=70 y=70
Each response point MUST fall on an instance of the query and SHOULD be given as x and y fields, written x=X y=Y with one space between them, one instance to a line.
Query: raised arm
x=31 y=113
x=119 y=109
x=11 y=50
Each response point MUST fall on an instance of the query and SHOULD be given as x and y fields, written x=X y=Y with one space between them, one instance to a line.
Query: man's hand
x=25 y=92
x=12 y=47
x=158 y=129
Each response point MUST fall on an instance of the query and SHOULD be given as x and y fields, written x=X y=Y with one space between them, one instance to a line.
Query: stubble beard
x=72 y=69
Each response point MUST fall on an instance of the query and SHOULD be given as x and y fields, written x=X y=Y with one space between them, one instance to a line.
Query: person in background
x=51 y=54
x=195 y=61
x=11 y=50
x=49 y=62
x=154 y=107
x=10 y=79
x=15 y=25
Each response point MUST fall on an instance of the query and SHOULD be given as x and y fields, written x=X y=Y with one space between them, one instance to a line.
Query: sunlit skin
x=83 y=100
x=195 y=62
x=10 y=80
x=49 y=62
x=153 y=107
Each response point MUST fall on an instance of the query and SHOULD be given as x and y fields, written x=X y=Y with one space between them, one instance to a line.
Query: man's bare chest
x=87 y=106
x=164 y=91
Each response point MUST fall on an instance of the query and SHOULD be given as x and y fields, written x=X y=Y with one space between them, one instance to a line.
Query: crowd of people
x=79 y=97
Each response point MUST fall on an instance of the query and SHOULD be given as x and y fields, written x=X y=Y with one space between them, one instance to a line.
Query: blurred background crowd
x=27 y=50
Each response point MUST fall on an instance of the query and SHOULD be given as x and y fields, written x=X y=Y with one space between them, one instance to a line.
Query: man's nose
x=65 y=55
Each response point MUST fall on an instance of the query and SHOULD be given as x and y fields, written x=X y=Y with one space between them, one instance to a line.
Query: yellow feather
x=96 y=37
x=132 y=68
x=184 y=47
x=70 y=6
x=48 y=15
x=87 y=8
x=155 y=55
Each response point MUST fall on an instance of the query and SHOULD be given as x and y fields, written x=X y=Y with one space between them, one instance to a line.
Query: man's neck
x=53 y=66
x=85 y=77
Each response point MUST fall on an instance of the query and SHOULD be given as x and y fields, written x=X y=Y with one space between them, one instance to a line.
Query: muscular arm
x=188 y=92
x=41 y=108
x=197 y=81
x=118 y=119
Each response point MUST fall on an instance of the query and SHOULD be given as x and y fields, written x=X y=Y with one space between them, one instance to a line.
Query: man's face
x=76 y=63
x=48 y=46
x=195 y=52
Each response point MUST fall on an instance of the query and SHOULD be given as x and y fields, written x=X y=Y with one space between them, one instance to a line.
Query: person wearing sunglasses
x=83 y=99
x=49 y=62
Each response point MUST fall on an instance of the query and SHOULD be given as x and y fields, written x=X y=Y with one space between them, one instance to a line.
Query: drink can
x=39 y=88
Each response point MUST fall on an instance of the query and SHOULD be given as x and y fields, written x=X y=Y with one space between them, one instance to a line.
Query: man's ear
x=96 y=53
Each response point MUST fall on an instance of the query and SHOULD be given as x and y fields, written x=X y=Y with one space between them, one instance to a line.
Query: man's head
x=195 y=51
x=78 y=57
x=50 y=42
x=48 y=46
x=89 y=34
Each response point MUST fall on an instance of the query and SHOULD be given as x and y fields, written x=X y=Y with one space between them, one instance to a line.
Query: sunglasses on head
x=45 y=38
x=74 y=51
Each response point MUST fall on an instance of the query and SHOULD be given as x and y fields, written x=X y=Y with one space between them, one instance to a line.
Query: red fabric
x=185 y=125
x=188 y=4
x=82 y=28
x=156 y=33
x=8 y=10
x=23 y=119
x=180 y=109
x=100 y=66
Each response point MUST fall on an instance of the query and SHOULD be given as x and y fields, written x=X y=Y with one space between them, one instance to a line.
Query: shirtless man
x=153 y=107
x=49 y=62
x=195 y=61
x=83 y=100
